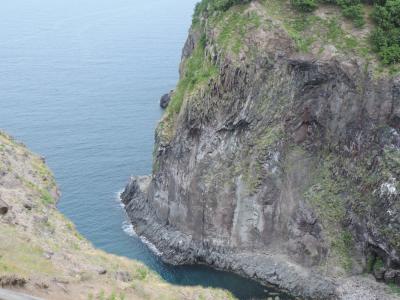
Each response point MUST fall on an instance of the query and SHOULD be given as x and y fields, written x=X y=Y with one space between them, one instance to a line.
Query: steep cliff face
x=279 y=156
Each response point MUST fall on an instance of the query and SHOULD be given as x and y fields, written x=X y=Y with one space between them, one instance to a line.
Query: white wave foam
x=151 y=246
x=119 y=199
x=128 y=229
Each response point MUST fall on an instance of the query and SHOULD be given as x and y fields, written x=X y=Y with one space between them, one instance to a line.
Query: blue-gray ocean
x=80 y=82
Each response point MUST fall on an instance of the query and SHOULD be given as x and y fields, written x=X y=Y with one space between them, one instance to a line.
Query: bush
x=356 y=13
x=210 y=6
x=387 y=15
x=385 y=38
x=390 y=55
x=305 y=5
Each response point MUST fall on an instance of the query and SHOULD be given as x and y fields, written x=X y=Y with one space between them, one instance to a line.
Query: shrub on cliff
x=305 y=5
x=210 y=6
x=385 y=38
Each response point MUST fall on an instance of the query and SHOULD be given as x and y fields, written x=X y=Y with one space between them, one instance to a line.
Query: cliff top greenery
x=385 y=14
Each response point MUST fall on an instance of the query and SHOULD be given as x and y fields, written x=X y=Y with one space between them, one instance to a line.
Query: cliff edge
x=278 y=157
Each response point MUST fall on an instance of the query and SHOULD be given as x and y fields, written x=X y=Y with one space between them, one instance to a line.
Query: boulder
x=3 y=208
x=165 y=99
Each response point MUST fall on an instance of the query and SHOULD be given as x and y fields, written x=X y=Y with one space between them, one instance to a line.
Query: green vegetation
x=343 y=246
x=47 y=199
x=198 y=69
x=305 y=5
x=214 y=6
x=378 y=264
x=141 y=273
x=325 y=196
x=252 y=161
x=112 y=296
x=385 y=38
x=19 y=257
x=352 y=9
x=394 y=288
x=234 y=27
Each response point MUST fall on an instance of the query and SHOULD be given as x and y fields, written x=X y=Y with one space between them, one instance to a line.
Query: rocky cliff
x=278 y=157
x=42 y=254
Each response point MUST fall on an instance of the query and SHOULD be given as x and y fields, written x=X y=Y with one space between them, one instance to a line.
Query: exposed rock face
x=282 y=167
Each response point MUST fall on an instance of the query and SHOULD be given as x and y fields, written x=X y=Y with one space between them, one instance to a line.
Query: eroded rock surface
x=282 y=166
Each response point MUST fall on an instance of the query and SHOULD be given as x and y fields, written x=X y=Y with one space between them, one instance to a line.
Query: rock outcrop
x=165 y=99
x=278 y=165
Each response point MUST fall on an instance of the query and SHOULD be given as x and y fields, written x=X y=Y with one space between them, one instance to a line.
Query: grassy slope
x=39 y=246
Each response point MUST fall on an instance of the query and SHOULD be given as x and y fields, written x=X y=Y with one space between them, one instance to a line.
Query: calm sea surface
x=80 y=82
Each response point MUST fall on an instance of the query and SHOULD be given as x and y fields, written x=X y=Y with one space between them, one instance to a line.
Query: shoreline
x=270 y=270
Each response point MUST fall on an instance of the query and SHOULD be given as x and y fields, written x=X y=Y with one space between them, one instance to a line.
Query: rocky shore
x=273 y=270
x=177 y=248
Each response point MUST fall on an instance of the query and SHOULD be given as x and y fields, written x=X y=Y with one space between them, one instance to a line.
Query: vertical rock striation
x=280 y=166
